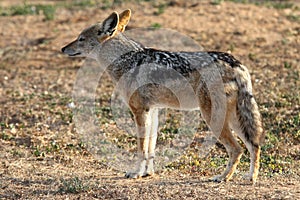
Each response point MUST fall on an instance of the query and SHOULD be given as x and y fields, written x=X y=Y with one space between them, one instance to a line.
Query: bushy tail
x=247 y=109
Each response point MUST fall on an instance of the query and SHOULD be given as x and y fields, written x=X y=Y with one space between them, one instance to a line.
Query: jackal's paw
x=250 y=177
x=149 y=173
x=138 y=171
x=217 y=178
x=149 y=170
x=134 y=175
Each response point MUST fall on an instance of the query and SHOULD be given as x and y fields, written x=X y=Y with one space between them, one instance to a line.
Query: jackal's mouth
x=74 y=54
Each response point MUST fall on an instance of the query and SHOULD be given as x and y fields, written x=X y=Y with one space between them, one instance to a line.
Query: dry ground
x=43 y=157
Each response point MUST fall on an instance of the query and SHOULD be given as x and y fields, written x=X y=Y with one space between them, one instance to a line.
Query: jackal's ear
x=124 y=19
x=110 y=24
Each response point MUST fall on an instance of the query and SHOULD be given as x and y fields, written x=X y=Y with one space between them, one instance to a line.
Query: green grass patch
x=275 y=164
x=160 y=9
x=293 y=18
x=156 y=25
x=49 y=10
x=84 y=3
x=74 y=186
x=5 y=136
x=268 y=3
x=38 y=152
x=29 y=9
x=216 y=2
x=280 y=4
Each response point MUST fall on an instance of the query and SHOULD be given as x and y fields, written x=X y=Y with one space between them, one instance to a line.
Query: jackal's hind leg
x=233 y=149
x=251 y=147
x=254 y=163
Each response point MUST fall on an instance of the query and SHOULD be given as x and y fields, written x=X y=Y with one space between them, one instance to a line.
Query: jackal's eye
x=81 y=39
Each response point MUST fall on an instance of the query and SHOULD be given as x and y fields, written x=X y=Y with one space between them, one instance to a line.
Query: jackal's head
x=97 y=34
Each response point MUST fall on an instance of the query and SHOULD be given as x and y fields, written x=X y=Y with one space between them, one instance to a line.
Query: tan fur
x=124 y=18
x=102 y=39
x=209 y=84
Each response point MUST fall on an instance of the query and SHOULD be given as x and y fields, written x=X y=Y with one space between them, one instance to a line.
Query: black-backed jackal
x=220 y=83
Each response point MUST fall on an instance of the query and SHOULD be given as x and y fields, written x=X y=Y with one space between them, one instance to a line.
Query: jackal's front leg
x=143 y=125
x=152 y=142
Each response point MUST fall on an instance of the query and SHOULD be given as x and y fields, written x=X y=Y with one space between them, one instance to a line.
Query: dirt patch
x=41 y=153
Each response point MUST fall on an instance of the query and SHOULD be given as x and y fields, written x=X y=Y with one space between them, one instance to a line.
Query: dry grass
x=42 y=155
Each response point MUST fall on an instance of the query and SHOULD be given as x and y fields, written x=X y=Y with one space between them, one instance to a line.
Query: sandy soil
x=41 y=154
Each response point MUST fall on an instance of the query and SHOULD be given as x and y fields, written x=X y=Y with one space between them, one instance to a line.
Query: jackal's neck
x=116 y=47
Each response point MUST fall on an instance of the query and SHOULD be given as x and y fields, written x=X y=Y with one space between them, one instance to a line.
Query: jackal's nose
x=63 y=49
